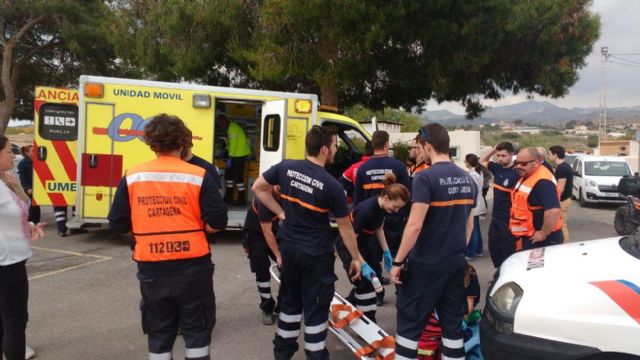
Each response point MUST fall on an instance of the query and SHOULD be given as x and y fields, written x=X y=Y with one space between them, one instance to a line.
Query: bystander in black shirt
x=564 y=171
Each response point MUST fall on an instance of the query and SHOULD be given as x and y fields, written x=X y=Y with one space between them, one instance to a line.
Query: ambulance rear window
x=58 y=122
x=271 y=133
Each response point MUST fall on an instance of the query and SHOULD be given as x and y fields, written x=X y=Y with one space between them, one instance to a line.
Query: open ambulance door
x=55 y=142
x=274 y=119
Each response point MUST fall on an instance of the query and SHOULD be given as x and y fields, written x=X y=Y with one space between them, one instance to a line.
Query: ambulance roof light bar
x=94 y=90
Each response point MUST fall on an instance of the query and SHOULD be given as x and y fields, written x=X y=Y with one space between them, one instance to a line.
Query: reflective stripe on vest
x=521 y=219
x=502 y=188
x=164 y=196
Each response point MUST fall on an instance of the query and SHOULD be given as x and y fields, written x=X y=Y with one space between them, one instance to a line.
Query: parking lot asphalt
x=84 y=296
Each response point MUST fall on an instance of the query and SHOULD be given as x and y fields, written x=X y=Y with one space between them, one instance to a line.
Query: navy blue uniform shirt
x=25 y=173
x=212 y=170
x=370 y=176
x=258 y=213
x=367 y=216
x=504 y=177
x=309 y=193
x=543 y=194
x=450 y=193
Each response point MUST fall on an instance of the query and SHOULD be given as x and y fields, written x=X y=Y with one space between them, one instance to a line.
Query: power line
x=619 y=63
x=625 y=60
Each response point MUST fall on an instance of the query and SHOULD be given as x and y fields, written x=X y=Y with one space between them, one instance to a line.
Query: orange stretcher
x=365 y=339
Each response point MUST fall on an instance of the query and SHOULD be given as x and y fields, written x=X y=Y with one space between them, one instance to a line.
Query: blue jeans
x=475 y=246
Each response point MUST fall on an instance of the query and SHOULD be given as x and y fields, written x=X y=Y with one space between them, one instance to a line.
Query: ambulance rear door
x=274 y=119
x=112 y=124
x=55 y=143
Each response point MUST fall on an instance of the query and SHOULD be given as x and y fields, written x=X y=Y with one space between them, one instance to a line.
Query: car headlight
x=591 y=183
x=507 y=297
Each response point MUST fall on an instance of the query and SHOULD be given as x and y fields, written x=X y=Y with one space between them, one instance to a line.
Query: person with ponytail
x=15 y=234
x=368 y=218
x=475 y=247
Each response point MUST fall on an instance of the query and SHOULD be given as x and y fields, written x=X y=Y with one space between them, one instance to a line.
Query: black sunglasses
x=523 y=163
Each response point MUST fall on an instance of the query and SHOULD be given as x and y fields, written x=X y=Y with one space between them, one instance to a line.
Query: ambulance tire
x=623 y=223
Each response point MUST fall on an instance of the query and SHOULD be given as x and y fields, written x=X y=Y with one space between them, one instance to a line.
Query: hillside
x=537 y=112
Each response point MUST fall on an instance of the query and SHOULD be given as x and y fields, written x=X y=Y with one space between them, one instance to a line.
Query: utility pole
x=602 y=121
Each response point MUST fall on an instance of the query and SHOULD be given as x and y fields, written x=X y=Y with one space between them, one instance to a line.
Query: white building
x=388 y=126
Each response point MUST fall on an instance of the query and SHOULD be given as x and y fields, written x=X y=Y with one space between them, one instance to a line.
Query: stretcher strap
x=386 y=342
x=338 y=322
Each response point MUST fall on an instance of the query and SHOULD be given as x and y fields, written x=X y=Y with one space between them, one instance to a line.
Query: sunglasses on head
x=423 y=133
x=524 y=163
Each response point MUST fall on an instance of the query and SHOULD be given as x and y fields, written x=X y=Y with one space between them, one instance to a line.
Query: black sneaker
x=267 y=318
x=62 y=233
x=385 y=281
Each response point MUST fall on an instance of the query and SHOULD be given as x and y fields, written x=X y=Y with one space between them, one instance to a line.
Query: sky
x=620 y=32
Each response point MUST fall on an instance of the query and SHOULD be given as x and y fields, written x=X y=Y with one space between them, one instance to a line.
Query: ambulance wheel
x=622 y=221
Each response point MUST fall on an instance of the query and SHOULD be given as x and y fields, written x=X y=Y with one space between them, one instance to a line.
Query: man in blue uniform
x=434 y=243
x=309 y=193
x=260 y=227
x=505 y=176
x=369 y=183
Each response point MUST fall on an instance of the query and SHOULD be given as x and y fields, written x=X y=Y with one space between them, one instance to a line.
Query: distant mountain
x=536 y=112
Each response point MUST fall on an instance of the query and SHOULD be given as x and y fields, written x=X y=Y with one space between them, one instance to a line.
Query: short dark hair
x=379 y=139
x=558 y=151
x=368 y=148
x=25 y=149
x=318 y=137
x=506 y=146
x=436 y=135
x=165 y=133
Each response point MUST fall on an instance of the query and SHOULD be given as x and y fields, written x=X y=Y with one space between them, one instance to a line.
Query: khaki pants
x=564 y=207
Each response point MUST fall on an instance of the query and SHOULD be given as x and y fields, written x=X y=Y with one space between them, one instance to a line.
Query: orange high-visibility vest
x=521 y=219
x=418 y=168
x=164 y=196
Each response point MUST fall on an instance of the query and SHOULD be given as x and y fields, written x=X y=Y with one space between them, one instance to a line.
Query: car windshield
x=606 y=168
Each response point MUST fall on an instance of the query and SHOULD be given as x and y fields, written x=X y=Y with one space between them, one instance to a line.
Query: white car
x=596 y=179
x=572 y=301
x=18 y=153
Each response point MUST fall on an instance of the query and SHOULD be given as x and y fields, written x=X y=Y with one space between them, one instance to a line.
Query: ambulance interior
x=248 y=114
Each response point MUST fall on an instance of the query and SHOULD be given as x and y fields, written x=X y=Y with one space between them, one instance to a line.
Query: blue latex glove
x=388 y=260
x=367 y=272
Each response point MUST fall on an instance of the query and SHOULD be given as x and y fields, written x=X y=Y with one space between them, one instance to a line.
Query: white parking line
x=98 y=259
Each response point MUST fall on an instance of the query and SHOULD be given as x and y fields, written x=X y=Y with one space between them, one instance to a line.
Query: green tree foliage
x=380 y=54
x=185 y=40
x=49 y=43
x=592 y=141
x=410 y=122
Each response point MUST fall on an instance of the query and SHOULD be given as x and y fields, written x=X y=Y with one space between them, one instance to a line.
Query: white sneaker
x=29 y=353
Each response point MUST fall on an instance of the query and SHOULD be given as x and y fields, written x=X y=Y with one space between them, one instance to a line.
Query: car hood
x=583 y=293
x=605 y=180
x=582 y=261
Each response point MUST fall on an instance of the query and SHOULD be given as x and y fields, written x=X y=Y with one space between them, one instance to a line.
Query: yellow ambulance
x=55 y=146
x=113 y=113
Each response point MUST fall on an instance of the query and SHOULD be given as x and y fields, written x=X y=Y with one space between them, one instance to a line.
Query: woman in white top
x=475 y=247
x=15 y=234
